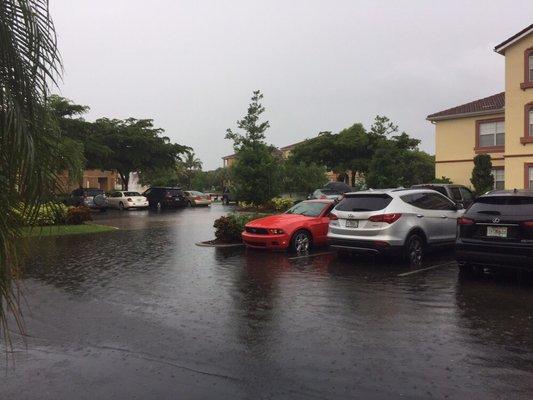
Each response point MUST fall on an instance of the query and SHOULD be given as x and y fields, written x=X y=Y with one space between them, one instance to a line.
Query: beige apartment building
x=500 y=125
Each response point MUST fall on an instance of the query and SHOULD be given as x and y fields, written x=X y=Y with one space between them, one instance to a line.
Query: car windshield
x=309 y=209
x=132 y=194
x=503 y=205
x=364 y=202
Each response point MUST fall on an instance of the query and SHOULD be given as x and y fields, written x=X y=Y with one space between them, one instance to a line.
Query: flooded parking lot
x=143 y=313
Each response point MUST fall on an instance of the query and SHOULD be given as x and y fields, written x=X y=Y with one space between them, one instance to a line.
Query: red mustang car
x=300 y=227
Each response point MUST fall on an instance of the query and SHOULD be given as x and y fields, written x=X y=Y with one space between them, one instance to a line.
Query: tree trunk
x=125 y=178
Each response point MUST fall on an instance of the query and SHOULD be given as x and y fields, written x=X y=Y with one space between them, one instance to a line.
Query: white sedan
x=124 y=200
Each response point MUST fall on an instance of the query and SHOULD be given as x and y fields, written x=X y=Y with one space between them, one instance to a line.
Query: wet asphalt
x=143 y=313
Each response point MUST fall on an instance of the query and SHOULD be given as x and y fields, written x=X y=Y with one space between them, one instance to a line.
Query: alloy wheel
x=415 y=251
x=301 y=242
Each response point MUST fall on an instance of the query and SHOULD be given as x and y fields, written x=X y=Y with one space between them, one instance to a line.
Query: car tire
x=189 y=204
x=121 y=206
x=415 y=250
x=301 y=241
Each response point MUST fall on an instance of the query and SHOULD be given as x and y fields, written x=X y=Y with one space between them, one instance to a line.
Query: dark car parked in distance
x=165 y=197
x=89 y=197
x=458 y=193
x=497 y=231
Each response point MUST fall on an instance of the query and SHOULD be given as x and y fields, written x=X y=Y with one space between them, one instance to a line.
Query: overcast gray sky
x=322 y=65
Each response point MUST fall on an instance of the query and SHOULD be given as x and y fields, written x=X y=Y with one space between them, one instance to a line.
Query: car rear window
x=94 y=192
x=503 y=205
x=364 y=202
x=132 y=194
x=175 y=192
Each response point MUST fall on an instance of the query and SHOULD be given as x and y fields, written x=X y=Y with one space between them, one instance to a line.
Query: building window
x=530 y=121
x=528 y=124
x=530 y=65
x=491 y=133
x=499 y=178
x=528 y=70
x=528 y=184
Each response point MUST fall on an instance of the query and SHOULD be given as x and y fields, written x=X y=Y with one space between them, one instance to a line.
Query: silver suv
x=404 y=221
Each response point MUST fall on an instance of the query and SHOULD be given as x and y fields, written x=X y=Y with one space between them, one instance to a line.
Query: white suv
x=405 y=221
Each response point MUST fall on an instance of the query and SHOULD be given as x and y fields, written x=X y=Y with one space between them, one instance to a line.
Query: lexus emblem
x=350 y=215
x=496 y=220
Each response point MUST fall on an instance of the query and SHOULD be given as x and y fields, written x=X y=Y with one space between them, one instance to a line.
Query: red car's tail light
x=276 y=231
x=465 y=221
x=387 y=218
x=527 y=224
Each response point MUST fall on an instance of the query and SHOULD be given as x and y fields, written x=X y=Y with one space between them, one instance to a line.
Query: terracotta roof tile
x=487 y=105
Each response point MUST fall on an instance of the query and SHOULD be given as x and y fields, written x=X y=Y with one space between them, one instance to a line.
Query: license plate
x=352 y=223
x=497 y=231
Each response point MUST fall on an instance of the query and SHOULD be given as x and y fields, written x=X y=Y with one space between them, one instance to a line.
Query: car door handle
x=443 y=216
x=419 y=216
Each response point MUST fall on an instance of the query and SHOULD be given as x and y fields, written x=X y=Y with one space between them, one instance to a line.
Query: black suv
x=165 y=197
x=459 y=194
x=497 y=230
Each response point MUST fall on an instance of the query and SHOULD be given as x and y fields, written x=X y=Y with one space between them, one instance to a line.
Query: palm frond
x=29 y=65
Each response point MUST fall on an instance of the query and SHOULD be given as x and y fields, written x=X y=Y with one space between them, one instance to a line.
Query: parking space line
x=311 y=255
x=425 y=269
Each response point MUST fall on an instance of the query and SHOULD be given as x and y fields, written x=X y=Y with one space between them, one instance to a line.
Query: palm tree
x=191 y=164
x=29 y=64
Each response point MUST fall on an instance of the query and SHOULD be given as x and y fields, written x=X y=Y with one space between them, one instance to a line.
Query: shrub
x=282 y=204
x=46 y=214
x=277 y=204
x=482 y=178
x=228 y=228
x=247 y=205
x=78 y=215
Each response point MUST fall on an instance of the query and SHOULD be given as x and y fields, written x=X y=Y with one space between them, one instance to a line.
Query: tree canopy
x=382 y=154
x=131 y=145
x=256 y=175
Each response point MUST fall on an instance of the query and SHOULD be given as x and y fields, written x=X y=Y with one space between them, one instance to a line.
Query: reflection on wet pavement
x=144 y=313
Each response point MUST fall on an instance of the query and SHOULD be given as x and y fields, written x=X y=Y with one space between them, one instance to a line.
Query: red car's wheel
x=301 y=241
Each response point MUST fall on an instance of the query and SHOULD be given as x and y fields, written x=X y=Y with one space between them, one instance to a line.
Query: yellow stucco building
x=500 y=125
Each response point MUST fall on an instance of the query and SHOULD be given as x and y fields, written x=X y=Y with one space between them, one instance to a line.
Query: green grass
x=65 y=230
